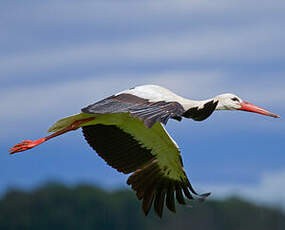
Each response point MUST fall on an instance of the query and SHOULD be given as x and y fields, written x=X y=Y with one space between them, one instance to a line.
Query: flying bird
x=126 y=130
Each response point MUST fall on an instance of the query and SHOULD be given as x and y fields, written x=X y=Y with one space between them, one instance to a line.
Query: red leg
x=25 y=145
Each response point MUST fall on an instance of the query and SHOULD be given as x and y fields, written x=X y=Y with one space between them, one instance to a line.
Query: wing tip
x=153 y=188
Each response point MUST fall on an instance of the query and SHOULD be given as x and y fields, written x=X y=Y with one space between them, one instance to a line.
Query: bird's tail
x=65 y=122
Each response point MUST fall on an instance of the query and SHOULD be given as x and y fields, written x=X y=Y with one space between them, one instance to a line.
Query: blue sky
x=59 y=56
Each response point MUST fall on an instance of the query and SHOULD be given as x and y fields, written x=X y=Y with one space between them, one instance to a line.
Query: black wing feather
x=148 y=112
x=123 y=152
x=200 y=114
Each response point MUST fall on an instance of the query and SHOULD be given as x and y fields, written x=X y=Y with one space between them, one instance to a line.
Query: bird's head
x=230 y=101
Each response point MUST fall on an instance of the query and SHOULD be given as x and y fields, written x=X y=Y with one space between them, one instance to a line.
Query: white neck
x=188 y=104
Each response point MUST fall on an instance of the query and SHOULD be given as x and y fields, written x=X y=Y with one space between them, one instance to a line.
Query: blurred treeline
x=55 y=206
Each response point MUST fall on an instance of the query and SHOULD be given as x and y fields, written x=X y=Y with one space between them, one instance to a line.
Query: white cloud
x=247 y=38
x=261 y=42
x=269 y=190
x=147 y=10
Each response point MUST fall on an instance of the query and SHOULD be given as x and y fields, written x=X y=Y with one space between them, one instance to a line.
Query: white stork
x=126 y=131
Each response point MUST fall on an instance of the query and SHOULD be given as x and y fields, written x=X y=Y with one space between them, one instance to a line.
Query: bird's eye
x=235 y=99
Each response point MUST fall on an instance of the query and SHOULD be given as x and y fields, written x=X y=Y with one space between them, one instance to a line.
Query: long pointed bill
x=246 y=106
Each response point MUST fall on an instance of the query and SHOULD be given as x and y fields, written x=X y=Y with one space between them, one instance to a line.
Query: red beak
x=246 y=106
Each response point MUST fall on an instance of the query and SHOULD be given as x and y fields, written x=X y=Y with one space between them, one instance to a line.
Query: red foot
x=25 y=145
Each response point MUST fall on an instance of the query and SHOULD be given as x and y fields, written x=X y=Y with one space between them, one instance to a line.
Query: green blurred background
x=55 y=206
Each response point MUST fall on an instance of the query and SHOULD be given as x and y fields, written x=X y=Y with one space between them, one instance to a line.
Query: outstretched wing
x=149 y=154
x=146 y=111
